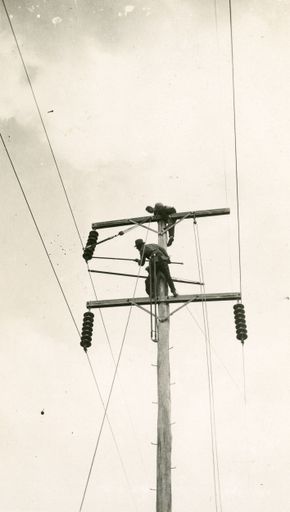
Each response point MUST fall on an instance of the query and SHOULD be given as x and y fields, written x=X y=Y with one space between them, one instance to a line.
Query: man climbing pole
x=150 y=283
x=165 y=213
x=158 y=258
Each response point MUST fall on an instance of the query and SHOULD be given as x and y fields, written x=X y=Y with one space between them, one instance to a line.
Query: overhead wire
x=40 y=235
x=214 y=447
x=57 y=168
x=113 y=436
x=42 y=121
x=233 y=74
x=221 y=99
x=63 y=294
x=114 y=361
x=213 y=349
x=235 y=143
x=110 y=393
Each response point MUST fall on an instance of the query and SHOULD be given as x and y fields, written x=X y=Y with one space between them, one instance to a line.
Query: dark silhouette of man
x=165 y=213
x=157 y=257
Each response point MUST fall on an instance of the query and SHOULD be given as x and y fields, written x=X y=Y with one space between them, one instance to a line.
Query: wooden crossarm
x=147 y=219
x=143 y=301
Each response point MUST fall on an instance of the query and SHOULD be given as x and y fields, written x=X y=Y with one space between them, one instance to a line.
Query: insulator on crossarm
x=240 y=321
x=90 y=245
x=87 y=330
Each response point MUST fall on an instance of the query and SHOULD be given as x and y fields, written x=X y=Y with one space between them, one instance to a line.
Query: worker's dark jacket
x=164 y=212
x=149 y=249
x=162 y=260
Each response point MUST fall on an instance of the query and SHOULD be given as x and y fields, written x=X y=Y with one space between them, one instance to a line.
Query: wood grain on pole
x=164 y=440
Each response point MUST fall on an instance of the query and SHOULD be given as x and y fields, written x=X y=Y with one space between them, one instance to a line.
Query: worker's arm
x=170 y=210
x=143 y=257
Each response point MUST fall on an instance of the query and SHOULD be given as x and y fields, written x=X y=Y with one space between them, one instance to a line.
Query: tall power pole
x=164 y=440
x=163 y=497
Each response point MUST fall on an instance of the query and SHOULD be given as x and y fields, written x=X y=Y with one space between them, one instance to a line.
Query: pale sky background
x=142 y=112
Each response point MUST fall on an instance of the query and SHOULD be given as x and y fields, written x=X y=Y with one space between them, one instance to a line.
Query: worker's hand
x=137 y=261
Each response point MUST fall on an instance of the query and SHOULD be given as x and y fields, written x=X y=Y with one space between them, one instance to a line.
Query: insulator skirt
x=86 y=337
x=87 y=329
x=240 y=322
x=88 y=314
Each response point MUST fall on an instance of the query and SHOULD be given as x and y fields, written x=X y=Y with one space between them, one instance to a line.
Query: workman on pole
x=165 y=213
x=157 y=254
x=150 y=283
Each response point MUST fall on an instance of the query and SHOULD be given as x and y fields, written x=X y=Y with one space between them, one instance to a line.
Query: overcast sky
x=137 y=101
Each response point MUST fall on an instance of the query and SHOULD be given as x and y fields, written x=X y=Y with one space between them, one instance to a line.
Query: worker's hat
x=139 y=242
x=159 y=205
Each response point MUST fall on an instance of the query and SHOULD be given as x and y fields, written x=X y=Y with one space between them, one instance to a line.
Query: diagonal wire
x=216 y=473
x=42 y=121
x=213 y=349
x=237 y=175
x=114 y=361
x=63 y=294
x=105 y=413
x=40 y=236
x=54 y=159
x=109 y=394
x=56 y=165
x=112 y=433
x=235 y=143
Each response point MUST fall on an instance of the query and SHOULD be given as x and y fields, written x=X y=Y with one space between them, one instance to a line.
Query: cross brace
x=143 y=301
x=175 y=216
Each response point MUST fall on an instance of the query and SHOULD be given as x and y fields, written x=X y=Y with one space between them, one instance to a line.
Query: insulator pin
x=90 y=245
x=87 y=330
x=240 y=321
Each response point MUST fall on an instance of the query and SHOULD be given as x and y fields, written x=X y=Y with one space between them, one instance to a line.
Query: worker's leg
x=147 y=285
x=171 y=231
x=165 y=270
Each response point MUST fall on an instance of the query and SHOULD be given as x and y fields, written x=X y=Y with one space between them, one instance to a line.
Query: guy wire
x=216 y=473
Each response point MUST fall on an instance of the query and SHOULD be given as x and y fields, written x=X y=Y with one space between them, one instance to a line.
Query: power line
x=55 y=162
x=237 y=176
x=57 y=166
x=41 y=120
x=112 y=433
x=235 y=142
x=216 y=473
x=214 y=351
x=114 y=361
x=105 y=412
x=40 y=235
x=110 y=392
x=63 y=294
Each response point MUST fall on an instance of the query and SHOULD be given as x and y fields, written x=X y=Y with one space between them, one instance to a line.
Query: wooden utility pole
x=164 y=441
